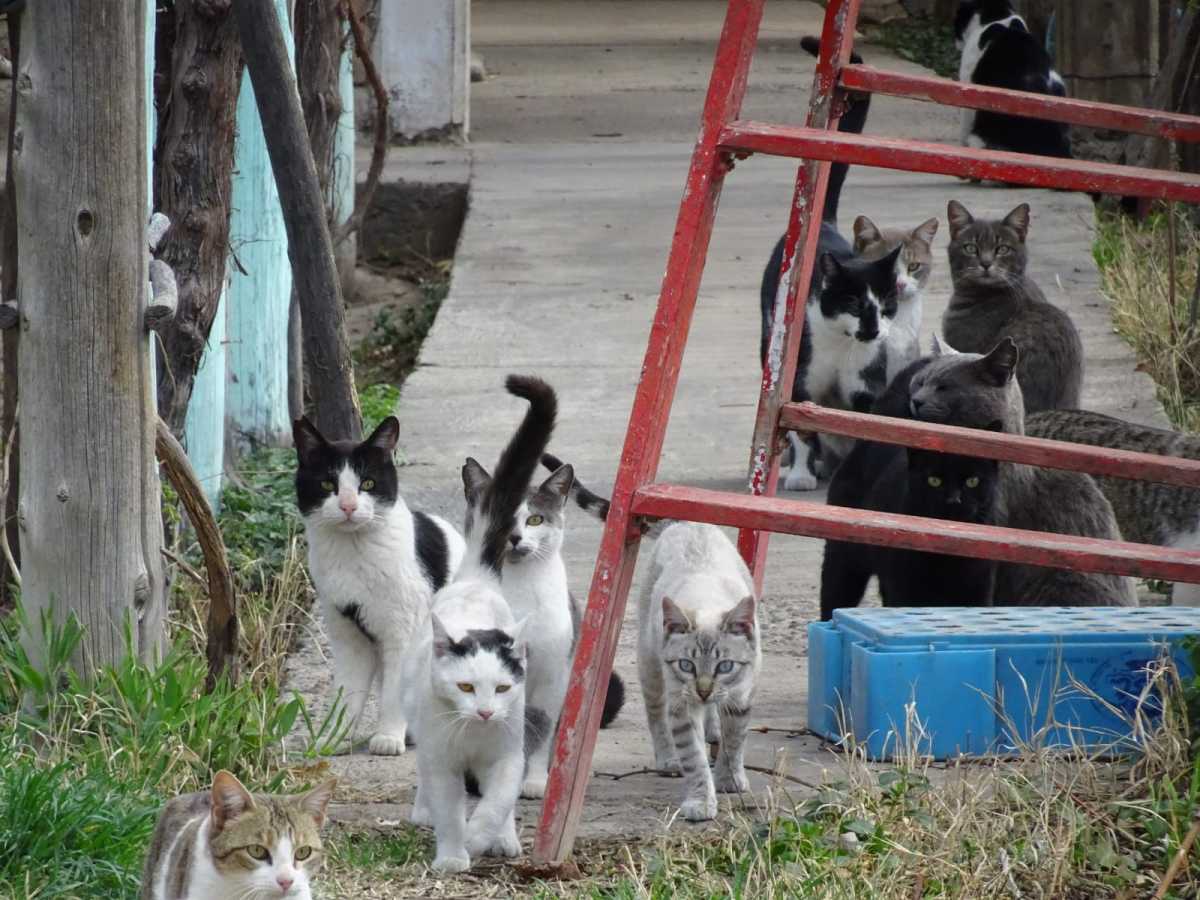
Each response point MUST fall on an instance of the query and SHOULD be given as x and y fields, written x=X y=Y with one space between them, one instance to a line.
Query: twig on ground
x=617 y=776
x=1177 y=862
x=380 y=147
x=784 y=775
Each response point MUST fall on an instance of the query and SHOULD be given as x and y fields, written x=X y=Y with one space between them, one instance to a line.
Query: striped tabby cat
x=226 y=844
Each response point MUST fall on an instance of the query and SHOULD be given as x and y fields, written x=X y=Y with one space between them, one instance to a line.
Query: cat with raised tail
x=471 y=675
x=994 y=299
x=228 y=843
x=699 y=656
x=375 y=565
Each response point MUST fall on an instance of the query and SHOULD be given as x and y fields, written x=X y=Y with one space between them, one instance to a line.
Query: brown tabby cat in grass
x=227 y=844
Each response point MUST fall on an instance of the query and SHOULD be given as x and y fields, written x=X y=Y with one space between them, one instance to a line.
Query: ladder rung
x=990 y=445
x=819 y=520
x=1021 y=103
x=950 y=159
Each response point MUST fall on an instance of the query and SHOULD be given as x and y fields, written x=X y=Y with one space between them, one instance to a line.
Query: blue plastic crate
x=987 y=680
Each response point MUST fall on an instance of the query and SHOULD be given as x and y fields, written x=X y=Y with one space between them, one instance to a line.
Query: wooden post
x=326 y=349
x=1107 y=50
x=88 y=423
x=260 y=285
x=10 y=457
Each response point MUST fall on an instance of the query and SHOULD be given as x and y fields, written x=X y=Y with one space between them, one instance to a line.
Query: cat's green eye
x=934 y=481
x=503 y=688
x=328 y=486
x=258 y=851
x=535 y=520
x=367 y=484
x=686 y=665
x=466 y=687
x=1003 y=250
x=913 y=268
x=973 y=481
x=972 y=249
x=303 y=853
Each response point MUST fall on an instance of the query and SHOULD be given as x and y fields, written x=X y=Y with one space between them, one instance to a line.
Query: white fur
x=367 y=556
x=260 y=883
x=904 y=336
x=534 y=580
x=1183 y=594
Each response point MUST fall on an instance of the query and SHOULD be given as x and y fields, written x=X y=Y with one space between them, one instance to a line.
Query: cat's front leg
x=448 y=804
x=421 y=813
x=354 y=664
x=730 y=772
x=687 y=729
x=390 y=737
x=654 y=696
x=492 y=830
x=802 y=474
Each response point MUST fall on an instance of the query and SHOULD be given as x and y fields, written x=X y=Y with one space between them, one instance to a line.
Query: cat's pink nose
x=285 y=883
x=485 y=714
x=348 y=507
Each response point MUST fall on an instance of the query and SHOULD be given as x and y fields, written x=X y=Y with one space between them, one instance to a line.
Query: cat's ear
x=315 y=801
x=229 y=799
x=941 y=348
x=1018 y=221
x=829 y=265
x=442 y=642
x=308 y=441
x=475 y=480
x=925 y=231
x=958 y=217
x=865 y=234
x=675 y=621
x=559 y=483
x=740 y=619
x=386 y=435
x=1001 y=364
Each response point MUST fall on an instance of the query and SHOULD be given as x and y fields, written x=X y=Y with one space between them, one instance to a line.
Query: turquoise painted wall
x=342 y=185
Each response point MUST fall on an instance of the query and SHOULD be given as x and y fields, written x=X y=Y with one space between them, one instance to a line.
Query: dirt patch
x=410 y=224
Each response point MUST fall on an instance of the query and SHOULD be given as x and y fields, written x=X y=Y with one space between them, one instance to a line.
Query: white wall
x=423 y=48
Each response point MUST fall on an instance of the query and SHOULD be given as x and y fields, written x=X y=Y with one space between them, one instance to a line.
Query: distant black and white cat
x=374 y=563
x=998 y=51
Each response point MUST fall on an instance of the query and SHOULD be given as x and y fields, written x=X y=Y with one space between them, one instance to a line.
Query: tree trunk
x=9 y=336
x=88 y=423
x=192 y=186
x=324 y=328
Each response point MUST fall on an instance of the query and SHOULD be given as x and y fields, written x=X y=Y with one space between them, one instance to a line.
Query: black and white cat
x=998 y=51
x=375 y=565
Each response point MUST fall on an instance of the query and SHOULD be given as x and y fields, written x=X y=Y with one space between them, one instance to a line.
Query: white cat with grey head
x=375 y=565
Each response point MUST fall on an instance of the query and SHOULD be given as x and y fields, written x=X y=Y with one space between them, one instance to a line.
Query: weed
x=389 y=351
x=378 y=402
x=923 y=41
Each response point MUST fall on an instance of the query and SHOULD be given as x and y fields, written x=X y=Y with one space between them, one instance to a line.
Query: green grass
x=924 y=42
x=389 y=351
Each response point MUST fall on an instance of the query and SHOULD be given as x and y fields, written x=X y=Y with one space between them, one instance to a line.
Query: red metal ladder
x=723 y=138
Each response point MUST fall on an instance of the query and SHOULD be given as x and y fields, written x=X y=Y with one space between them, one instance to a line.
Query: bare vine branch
x=380 y=148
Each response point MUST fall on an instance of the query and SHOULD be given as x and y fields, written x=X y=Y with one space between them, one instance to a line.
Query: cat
x=1147 y=512
x=994 y=299
x=471 y=672
x=374 y=563
x=227 y=843
x=895 y=479
x=912 y=275
x=975 y=390
x=699 y=657
x=998 y=51
x=534 y=581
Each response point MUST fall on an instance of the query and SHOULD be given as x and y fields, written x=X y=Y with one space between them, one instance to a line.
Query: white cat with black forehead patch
x=698 y=657
x=375 y=565
x=470 y=706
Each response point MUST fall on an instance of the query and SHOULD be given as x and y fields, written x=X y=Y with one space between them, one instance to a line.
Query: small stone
x=848 y=841
x=478 y=70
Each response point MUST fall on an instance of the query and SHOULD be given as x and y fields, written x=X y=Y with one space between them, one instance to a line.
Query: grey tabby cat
x=994 y=299
x=228 y=843
x=1148 y=513
x=980 y=391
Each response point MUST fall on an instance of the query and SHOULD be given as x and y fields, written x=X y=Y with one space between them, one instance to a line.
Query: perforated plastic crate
x=988 y=680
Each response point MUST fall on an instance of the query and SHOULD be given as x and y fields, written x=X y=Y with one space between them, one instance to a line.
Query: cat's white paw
x=385 y=744
x=798 y=478
x=699 y=809
x=451 y=863
x=506 y=845
x=480 y=843
x=421 y=815
x=534 y=787
x=729 y=782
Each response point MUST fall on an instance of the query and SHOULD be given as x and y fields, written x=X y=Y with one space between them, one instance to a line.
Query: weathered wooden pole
x=326 y=349
x=90 y=540
x=260 y=285
x=9 y=335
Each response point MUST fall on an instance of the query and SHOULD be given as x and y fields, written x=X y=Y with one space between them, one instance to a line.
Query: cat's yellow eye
x=535 y=520
x=328 y=486
x=913 y=267
x=466 y=687
x=934 y=481
x=367 y=484
x=258 y=851
x=970 y=248
x=503 y=688
x=303 y=853
x=973 y=482
x=1003 y=250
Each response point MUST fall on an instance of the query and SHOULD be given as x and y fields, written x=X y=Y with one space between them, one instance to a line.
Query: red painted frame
x=722 y=137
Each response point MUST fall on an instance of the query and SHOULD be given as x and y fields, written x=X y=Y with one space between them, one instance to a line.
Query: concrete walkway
x=581 y=138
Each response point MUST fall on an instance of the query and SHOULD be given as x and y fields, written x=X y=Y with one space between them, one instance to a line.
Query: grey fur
x=974 y=391
x=993 y=298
